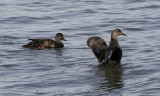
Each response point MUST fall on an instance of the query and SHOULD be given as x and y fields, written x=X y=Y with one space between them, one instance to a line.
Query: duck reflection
x=113 y=79
x=59 y=52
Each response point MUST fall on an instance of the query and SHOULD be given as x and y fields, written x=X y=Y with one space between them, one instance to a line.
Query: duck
x=46 y=42
x=107 y=55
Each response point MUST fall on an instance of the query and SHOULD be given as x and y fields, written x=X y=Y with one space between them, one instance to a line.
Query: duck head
x=116 y=33
x=59 y=37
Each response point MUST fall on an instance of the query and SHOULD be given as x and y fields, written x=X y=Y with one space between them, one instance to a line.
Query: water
x=73 y=70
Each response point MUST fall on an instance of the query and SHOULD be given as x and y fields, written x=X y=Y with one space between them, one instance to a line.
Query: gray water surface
x=73 y=70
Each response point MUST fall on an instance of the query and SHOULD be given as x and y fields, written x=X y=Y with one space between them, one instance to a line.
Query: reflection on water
x=114 y=76
x=59 y=52
x=113 y=79
x=109 y=81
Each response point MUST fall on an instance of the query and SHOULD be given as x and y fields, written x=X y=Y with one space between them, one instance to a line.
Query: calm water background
x=73 y=71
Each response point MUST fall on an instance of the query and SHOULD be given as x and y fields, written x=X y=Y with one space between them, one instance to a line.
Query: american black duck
x=107 y=55
x=46 y=43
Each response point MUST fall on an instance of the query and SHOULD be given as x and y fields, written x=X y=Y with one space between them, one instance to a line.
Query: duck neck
x=113 y=41
x=57 y=39
x=114 y=35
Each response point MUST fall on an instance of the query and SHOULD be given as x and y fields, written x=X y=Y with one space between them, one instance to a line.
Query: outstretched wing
x=98 y=46
x=96 y=41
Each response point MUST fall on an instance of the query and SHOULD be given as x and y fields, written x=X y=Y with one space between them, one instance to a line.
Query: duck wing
x=114 y=53
x=45 y=42
x=98 y=46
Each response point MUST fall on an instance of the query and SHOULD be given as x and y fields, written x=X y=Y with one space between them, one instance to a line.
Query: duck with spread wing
x=107 y=55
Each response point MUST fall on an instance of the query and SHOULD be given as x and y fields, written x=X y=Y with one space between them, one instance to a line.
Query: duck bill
x=64 y=39
x=123 y=34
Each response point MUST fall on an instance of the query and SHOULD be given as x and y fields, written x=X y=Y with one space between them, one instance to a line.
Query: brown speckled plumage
x=46 y=43
x=107 y=55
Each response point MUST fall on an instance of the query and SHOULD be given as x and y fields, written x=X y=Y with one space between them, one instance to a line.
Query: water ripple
x=73 y=70
x=24 y=19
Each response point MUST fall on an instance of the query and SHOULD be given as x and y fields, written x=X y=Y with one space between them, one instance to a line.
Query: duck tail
x=25 y=46
x=31 y=39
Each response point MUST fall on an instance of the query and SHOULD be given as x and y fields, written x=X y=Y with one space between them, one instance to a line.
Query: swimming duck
x=107 y=55
x=46 y=43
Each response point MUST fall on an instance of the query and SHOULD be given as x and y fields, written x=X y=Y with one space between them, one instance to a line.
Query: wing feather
x=44 y=42
x=113 y=52
x=98 y=46
x=97 y=41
